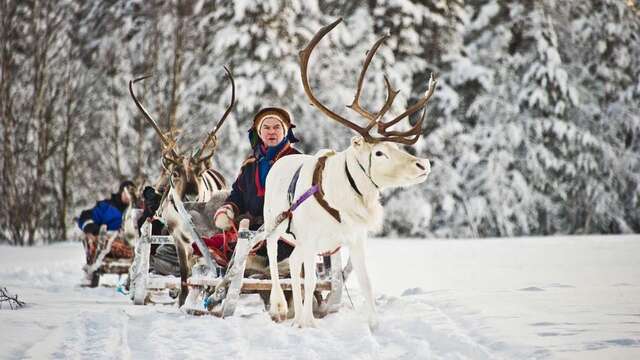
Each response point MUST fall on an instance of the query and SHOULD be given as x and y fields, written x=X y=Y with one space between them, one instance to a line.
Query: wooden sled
x=100 y=264
x=214 y=289
x=219 y=295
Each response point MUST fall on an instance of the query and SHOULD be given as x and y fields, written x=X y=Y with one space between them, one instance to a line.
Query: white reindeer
x=347 y=202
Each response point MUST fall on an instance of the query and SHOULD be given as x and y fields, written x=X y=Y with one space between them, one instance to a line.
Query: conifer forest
x=534 y=128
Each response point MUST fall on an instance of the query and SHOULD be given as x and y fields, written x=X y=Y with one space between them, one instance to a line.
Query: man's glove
x=151 y=199
x=223 y=218
x=91 y=228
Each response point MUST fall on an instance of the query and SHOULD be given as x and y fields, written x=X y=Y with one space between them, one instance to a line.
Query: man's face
x=271 y=131
x=125 y=197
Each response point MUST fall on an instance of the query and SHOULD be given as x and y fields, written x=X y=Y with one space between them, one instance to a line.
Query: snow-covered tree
x=533 y=128
x=605 y=61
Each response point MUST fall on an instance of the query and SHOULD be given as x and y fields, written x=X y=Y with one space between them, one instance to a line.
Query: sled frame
x=101 y=263
x=226 y=289
x=229 y=283
x=142 y=284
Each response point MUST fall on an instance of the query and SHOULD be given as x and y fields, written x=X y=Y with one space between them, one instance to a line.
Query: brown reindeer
x=190 y=177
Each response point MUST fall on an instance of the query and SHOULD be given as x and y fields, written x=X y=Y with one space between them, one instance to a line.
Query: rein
x=351 y=181
x=368 y=174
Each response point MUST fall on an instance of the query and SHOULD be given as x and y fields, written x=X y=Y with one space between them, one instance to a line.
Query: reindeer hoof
x=278 y=308
x=373 y=324
x=278 y=311
x=278 y=318
x=305 y=322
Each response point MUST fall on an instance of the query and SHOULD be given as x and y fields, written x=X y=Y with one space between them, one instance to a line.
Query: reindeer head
x=185 y=170
x=387 y=165
x=379 y=156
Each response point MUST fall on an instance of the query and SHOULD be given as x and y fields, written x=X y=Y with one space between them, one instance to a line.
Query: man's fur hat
x=275 y=112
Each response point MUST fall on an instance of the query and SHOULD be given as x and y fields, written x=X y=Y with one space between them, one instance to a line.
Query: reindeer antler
x=212 y=135
x=169 y=146
x=405 y=137
x=391 y=94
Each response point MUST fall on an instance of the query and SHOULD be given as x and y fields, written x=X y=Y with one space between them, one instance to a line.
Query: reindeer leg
x=278 y=304
x=183 y=257
x=295 y=266
x=360 y=268
x=309 y=287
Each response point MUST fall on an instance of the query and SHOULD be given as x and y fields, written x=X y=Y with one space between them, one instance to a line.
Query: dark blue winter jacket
x=106 y=212
x=247 y=192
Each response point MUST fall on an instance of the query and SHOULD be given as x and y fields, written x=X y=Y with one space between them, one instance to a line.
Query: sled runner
x=98 y=261
x=218 y=295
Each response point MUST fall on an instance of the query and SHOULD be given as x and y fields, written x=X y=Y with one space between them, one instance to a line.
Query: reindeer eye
x=379 y=153
x=175 y=174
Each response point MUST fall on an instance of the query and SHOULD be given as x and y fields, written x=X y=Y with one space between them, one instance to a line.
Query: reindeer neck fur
x=365 y=209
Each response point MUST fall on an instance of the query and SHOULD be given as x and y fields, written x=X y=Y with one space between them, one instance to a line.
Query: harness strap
x=307 y=194
x=292 y=185
x=319 y=194
x=368 y=174
x=329 y=253
x=351 y=181
x=291 y=192
x=315 y=190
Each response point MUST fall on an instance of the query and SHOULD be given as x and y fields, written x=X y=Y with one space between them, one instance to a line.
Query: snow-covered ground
x=518 y=298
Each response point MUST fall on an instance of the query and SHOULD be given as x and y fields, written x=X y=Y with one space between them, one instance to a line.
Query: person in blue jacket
x=107 y=212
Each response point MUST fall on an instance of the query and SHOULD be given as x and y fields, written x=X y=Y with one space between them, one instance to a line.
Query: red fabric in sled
x=220 y=246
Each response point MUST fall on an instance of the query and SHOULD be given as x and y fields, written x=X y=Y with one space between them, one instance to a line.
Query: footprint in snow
x=531 y=288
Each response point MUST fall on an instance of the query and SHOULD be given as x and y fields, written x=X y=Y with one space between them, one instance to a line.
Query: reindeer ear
x=357 y=141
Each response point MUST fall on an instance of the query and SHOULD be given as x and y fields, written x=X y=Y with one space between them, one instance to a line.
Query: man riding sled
x=271 y=137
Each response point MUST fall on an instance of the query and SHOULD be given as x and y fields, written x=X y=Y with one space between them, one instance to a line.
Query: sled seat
x=115 y=266
x=160 y=282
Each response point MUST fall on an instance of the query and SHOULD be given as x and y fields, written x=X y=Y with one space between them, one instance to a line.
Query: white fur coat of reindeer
x=351 y=183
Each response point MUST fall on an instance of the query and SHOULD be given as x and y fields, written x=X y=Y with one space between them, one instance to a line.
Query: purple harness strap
x=307 y=194
x=313 y=190
x=294 y=205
